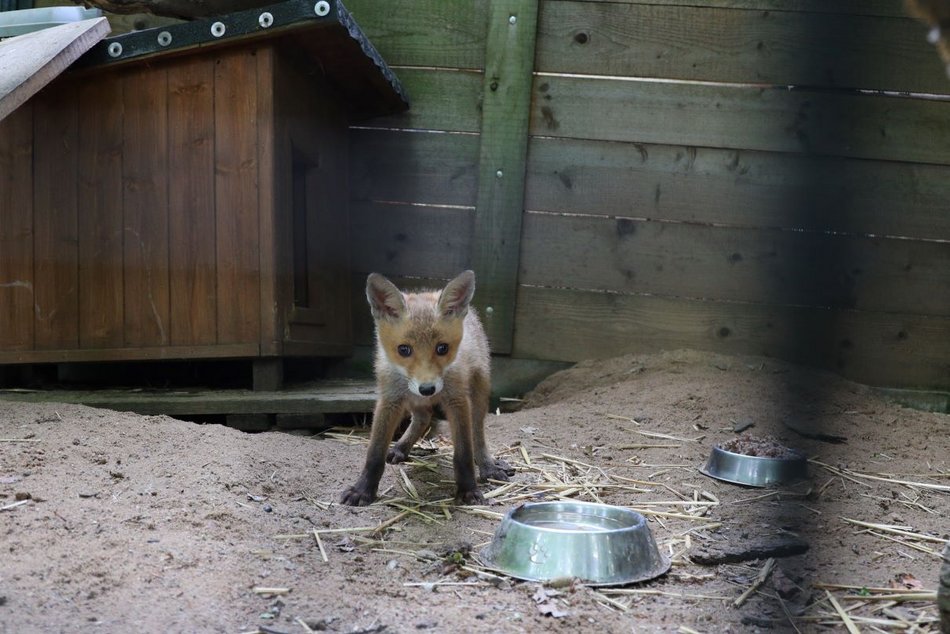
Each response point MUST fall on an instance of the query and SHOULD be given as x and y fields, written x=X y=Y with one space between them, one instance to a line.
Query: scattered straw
x=323 y=553
x=845 y=617
x=270 y=591
x=759 y=580
x=10 y=507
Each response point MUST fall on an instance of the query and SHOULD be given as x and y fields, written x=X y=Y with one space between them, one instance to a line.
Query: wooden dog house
x=182 y=194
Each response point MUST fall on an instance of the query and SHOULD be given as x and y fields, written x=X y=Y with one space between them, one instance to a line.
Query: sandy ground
x=112 y=522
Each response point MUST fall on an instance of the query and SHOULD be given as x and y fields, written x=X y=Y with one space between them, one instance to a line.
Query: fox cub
x=431 y=350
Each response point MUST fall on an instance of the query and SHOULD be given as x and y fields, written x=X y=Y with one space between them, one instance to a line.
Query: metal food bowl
x=596 y=543
x=754 y=471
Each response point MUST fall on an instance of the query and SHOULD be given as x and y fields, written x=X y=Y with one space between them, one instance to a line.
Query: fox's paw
x=355 y=496
x=397 y=454
x=496 y=470
x=473 y=497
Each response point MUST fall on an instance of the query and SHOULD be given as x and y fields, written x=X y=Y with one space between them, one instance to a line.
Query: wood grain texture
x=124 y=353
x=16 y=230
x=236 y=198
x=405 y=166
x=434 y=33
x=874 y=348
x=56 y=224
x=888 y=8
x=31 y=61
x=739 y=188
x=312 y=158
x=729 y=45
x=860 y=126
x=501 y=163
x=724 y=263
x=403 y=240
x=101 y=236
x=145 y=207
x=441 y=100
x=191 y=224
x=271 y=323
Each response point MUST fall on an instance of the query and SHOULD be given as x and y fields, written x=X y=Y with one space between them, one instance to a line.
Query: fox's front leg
x=421 y=419
x=488 y=468
x=385 y=419
x=460 y=418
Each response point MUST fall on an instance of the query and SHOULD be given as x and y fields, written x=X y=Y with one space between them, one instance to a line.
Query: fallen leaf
x=906 y=581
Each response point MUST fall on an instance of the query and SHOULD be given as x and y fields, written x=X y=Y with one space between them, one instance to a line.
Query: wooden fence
x=745 y=176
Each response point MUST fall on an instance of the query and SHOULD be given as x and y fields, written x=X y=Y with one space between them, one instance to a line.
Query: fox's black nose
x=427 y=389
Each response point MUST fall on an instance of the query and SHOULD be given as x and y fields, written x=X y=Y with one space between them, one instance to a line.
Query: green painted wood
x=725 y=116
x=876 y=348
x=740 y=188
x=501 y=165
x=854 y=7
x=434 y=33
x=409 y=240
x=747 y=46
x=757 y=265
x=441 y=100
x=417 y=167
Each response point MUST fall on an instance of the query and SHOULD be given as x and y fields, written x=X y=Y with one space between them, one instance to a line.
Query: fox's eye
x=442 y=349
x=404 y=350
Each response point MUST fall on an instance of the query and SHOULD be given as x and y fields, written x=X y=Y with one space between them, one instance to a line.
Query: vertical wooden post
x=506 y=106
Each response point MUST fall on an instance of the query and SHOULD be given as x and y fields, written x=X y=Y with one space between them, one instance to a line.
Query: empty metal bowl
x=754 y=471
x=596 y=543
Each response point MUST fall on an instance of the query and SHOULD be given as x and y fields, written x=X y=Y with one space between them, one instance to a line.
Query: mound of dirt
x=116 y=522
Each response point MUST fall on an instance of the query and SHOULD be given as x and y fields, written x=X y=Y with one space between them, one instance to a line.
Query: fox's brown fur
x=431 y=350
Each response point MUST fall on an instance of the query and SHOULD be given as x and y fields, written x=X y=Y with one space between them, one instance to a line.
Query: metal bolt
x=164 y=38
x=115 y=49
x=265 y=20
x=499 y=173
x=512 y=19
x=218 y=29
x=322 y=8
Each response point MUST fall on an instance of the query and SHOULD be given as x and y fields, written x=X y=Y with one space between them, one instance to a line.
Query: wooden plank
x=16 y=230
x=729 y=45
x=744 y=188
x=434 y=33
x=726 y=263
x=100 y=152
x=334 y=397
x=191 y=223
x=236 y=198
x=161 y=353
x=501 y=163
x=56 y=225
x=889 y=8
x=861 y=126
x=876 y=348
x=29 y=62
x=404 y=166
x=405 y=240
x=441 y=100
x=271 y=323
x=145 y=201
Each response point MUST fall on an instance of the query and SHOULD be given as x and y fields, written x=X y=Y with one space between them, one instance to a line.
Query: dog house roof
x=323 y=31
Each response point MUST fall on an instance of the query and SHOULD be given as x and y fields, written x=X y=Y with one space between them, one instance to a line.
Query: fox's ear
x=457 y=294
x=385 y=300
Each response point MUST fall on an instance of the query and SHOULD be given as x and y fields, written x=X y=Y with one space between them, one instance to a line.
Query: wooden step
x=324 y=397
